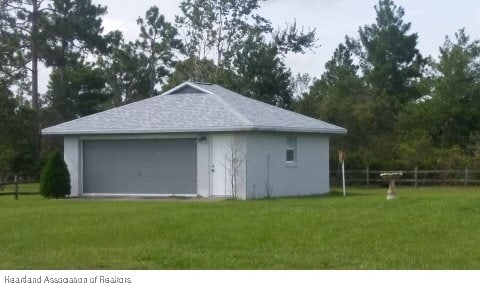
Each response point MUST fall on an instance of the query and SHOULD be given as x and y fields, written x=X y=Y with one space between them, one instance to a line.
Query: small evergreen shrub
x=55 y=179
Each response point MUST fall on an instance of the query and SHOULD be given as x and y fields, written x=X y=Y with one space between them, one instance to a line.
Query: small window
x=291 y=153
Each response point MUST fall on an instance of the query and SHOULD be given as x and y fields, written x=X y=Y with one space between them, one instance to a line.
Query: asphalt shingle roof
x=194 y=107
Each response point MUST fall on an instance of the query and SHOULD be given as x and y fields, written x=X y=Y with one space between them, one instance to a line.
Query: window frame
x=291 y=145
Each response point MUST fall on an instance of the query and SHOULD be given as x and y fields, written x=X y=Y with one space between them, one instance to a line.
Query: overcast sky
x=333 y=19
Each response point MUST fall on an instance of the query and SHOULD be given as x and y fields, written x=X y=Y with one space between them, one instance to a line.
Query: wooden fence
x=15 y=184
x=465 y=177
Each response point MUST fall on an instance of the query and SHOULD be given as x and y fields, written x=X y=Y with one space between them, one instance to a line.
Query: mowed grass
x=432 y=228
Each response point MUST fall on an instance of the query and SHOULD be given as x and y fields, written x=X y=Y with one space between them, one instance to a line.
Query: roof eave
x=197 y=130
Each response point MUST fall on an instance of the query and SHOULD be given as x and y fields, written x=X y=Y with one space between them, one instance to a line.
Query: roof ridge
x=232 y=109
x=194 y=85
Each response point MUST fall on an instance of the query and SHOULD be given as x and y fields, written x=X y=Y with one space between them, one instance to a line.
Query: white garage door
x=167 y=166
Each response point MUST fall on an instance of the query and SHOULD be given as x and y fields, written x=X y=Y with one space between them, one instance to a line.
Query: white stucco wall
x=72 y=157
x=307 y=177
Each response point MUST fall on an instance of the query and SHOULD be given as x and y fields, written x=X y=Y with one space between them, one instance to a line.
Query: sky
x=432 y=20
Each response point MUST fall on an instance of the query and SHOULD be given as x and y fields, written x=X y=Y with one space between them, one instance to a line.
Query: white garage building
x=197 y=139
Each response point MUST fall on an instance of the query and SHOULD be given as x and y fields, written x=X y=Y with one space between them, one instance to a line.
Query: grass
x=424 y=229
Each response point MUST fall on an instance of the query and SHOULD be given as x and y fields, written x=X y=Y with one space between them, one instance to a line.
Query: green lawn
x=435 y=228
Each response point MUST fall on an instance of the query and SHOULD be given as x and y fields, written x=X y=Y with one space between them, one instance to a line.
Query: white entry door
x=219 y=169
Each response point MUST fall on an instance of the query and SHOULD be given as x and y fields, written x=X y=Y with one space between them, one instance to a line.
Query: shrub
x=55 y=179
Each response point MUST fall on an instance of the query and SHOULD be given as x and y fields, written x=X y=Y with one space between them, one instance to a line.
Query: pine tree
x=159 y=42
x=390 y=59
x=262 y=73
x=73 y=31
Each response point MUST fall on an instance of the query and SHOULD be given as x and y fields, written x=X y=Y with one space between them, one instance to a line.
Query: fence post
x=466 y=176
x=15 y=179
x=368 y=175
x=416 y=176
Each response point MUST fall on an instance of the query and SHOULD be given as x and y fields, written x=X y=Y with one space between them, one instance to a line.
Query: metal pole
x=16 y=186
x=368 y=175
x=343 y=176
x=466 y=176
x=268 y=192
x=416 y=176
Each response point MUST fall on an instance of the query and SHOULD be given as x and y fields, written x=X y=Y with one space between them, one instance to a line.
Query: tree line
x=225 y=42
x=401 y=109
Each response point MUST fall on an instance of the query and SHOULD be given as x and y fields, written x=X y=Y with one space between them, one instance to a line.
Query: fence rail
x=414 y=177
x=16 y=192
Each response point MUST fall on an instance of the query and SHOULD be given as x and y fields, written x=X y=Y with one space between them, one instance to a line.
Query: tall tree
x=17 y=148
x=74 y=30
x=158 y=39
x=12 y=59
x=17 y=121
x=301 y=84
x=7 y=114
x=29 y=16
x=231 y=34
x=341 y=97
x=218 y=28
x=84 y=90
x=126 y=71
x=262 y=74
x=341 y=74
x=390 y=59
x=453 y=109
x=197 y=22
x=339 y=82
x=34 y=48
